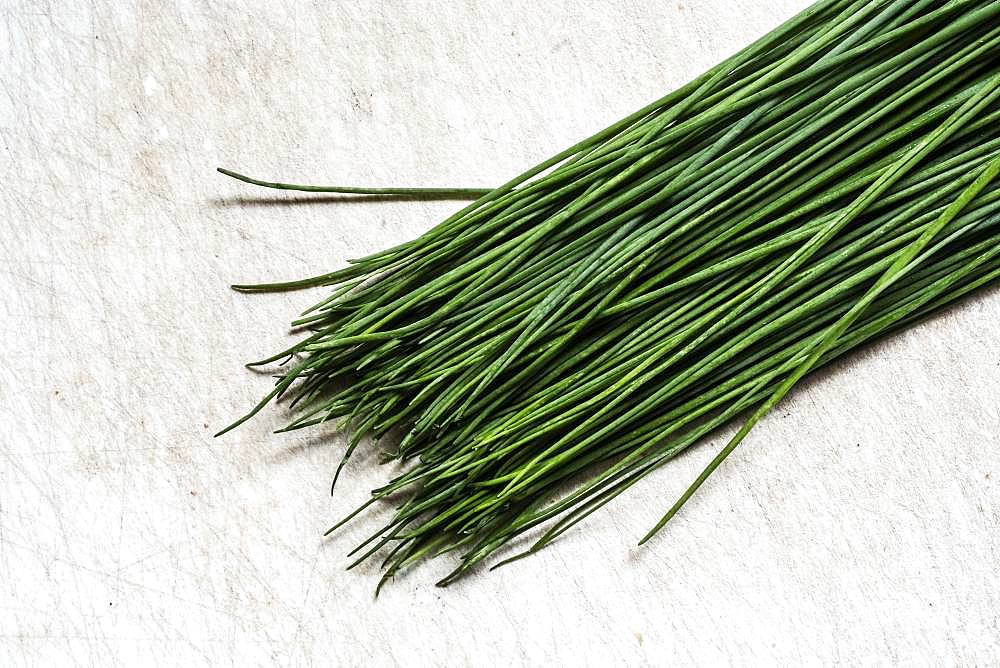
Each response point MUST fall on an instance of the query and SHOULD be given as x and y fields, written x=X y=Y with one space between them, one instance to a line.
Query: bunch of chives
x=587 y=321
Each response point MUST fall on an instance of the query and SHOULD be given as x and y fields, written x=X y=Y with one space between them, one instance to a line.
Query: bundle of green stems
x=552 y=343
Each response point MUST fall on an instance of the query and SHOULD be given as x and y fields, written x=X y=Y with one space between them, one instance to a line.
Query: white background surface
x=860 y=523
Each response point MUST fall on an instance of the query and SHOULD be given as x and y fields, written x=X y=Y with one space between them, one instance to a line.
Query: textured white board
x=859 y=523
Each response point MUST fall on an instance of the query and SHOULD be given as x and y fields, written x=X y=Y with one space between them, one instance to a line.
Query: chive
x=423 y=193
x=563 y=335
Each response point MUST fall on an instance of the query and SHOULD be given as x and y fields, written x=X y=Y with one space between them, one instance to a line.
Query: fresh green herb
x=423 y=193
x=565 y=334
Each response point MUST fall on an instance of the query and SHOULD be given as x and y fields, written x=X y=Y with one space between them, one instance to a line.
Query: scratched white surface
x=860 y=523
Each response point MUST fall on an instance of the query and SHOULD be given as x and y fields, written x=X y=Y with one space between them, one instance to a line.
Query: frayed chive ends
x=566 y=333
